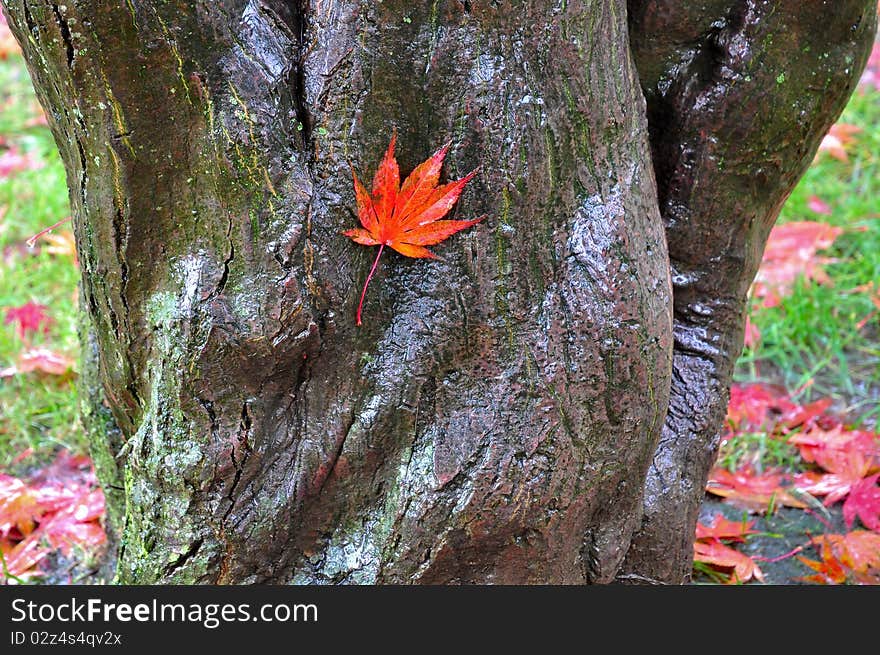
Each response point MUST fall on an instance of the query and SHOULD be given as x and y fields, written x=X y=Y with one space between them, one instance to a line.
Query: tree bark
x=495 y=418
x=739 y=97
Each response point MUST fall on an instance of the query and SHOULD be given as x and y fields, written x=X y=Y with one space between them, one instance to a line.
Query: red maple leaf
x=406 y=217
x=847 y=469
x=724 y=528
x=863 y=501
x=751 y=491
x=742 y=567
x=30 y=317
x=821 y=446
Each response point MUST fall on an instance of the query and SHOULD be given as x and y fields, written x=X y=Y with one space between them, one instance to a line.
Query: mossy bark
x=495 y=417
x=739 y=97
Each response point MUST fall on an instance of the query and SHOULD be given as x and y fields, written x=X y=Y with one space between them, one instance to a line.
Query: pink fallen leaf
x=8 y=44
x=835 y=142
x=41 y=360
x=752 y=335
x=790 y=253
x=59 y=507
x=22 y=558
x=817 y=205
x=864 y=502
x=12 y=161
x=742 y=567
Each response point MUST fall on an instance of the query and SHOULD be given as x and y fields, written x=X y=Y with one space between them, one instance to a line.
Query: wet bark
x=739 y=96
x=495 y=418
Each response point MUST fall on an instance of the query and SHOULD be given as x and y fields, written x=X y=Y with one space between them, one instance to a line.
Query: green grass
x=760 y=450
x=37 y=411
x=811 y=340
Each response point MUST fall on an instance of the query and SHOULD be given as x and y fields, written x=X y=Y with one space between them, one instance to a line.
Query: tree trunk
x=739 y=96
x=495 y=417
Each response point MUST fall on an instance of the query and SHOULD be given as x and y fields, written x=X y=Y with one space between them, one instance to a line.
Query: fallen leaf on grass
x=817 y=205
x=41 y=360
x=61 y=243
x=752 y=335
x=752 y=491
x=29 y=317
x=751 y=406
x=742 y=568
x=789 y=254
x=871 y=75
x=59 y=507
x=12 y=161
x=836 y=141
x=8 y=44
x=723 y=528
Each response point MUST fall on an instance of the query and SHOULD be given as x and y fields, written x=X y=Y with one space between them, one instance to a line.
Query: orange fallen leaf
x=835 y=142
x=754 y=492
x=723 y=528
x=852 y=558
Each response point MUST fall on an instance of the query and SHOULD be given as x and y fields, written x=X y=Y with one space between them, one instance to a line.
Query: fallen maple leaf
x=12 y=161
x=41 y=360
x=63 y=244
x=789 y=254
x=863 y=501
x=406 y=218
x=754 y=492
x=817 y=205
x=871 y=74
x=29 y=317
x=8 y=44
x=861 y=546
x=46 y=231
x=58 y=507
x=743 y=568
x=827 y=447
x=853 y=557
x=752 y=335
x=839 y=136
x=723 y=528
x=19 y=507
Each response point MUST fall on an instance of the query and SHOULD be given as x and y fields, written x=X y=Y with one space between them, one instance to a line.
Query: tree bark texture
x=739 y=96
x=497 y=415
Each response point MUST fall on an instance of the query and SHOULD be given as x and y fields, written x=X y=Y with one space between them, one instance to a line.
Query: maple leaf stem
x=31 y=241
x=369 y=277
